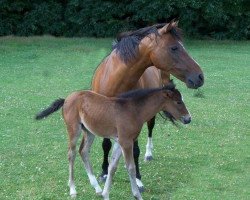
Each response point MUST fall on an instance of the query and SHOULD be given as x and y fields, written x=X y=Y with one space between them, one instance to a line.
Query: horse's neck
x=114 y=76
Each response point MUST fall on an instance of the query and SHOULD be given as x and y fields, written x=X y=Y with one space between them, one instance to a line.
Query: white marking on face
x=180 y=43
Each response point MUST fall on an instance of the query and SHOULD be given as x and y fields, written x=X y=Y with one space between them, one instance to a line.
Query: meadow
x=207 y=159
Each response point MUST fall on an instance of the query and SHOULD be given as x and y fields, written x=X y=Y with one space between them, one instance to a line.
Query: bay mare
x=120 y=118
x=129 y=66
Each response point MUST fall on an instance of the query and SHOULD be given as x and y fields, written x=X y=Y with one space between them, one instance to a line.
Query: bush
x=219 y=19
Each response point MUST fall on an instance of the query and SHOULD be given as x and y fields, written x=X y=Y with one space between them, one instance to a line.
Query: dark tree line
x=219 y=19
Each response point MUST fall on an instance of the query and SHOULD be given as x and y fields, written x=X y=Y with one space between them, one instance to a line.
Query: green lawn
x=207 y=159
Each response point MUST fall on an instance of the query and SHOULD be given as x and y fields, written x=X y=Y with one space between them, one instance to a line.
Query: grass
x=208 y=159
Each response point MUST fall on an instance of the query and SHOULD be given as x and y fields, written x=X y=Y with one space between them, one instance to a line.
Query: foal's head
x=174 y=107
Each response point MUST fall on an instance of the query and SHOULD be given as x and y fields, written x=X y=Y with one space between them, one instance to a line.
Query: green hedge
x=218 y=19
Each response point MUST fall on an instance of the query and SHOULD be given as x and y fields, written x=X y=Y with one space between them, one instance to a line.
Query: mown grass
x=208 y=159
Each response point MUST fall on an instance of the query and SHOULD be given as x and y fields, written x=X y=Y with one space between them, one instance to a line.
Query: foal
x=121 y=117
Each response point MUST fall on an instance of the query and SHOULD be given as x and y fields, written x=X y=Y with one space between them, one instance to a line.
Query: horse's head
x=169 y=54
x=174 y=107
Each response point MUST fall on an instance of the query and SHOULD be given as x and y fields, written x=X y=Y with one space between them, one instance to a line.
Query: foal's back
x=94 y=111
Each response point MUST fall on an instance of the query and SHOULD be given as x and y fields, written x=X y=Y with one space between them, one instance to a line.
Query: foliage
x=104 y=18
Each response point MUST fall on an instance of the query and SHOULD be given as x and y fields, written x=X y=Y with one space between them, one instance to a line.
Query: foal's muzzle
x=195 y=81
x=186 y=119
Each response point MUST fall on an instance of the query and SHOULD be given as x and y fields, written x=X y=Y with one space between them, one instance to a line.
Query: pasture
x=207 y=159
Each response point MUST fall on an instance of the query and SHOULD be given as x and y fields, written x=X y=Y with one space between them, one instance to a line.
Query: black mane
x=127 y=43
x=140 y=94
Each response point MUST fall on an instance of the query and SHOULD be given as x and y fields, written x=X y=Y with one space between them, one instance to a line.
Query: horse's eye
x=175 y=48
x=179 y=102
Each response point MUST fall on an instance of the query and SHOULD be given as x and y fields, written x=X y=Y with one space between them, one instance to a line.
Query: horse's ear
x=176 y=23
x=165 y=28
x=168 y=26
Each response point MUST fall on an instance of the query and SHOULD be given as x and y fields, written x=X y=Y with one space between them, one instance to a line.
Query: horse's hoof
x=141 y=189
x=148 y=158
x=102 y=178
x=140 y=185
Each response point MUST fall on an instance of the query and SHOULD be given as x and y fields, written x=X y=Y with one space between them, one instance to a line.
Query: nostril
x=190 y=82
x=201 y=77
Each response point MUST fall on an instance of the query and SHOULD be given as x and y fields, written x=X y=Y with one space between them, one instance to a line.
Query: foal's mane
x=127 y=43
x=140 y=94
x=139 y=97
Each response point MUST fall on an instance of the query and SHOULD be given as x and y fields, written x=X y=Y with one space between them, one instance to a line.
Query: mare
x=132 y=57
x=109 y=117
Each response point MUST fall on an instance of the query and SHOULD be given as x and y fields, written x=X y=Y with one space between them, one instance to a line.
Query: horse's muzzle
x=195 y=81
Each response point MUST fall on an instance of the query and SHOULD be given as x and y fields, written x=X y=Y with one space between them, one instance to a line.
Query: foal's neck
x=151 y=106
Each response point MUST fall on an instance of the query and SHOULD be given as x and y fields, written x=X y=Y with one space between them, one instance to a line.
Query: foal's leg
x=116 y=154
x=84 y=151
x=127 y=148
x=149 y=146
x=136 y=152
x=74 y=133
x=106 y=146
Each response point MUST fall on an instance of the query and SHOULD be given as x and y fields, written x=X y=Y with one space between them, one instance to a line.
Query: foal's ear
x=169 y=94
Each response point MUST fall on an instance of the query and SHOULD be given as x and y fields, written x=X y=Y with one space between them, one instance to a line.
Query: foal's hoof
x=148 y=158
x=99 y=193
x=103 y=177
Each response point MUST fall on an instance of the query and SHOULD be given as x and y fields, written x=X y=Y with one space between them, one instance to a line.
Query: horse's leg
x=84 y=151
x=74 y=133
x=116 y=154
x=106 y=146
x=136 y=151
x=149 y=146
x=127 y=148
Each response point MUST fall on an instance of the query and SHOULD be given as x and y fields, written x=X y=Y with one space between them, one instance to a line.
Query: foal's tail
x=55 y=106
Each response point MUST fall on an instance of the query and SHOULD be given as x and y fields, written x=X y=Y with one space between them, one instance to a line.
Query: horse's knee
x=151 y=124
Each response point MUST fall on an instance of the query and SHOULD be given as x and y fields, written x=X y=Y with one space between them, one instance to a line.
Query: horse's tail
x=55 y=106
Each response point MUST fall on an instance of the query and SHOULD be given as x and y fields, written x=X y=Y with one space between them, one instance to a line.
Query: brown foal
x=120 y=118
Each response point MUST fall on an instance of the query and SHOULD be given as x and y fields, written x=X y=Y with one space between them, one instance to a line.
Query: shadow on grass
x=166 y=175
x=199 y=94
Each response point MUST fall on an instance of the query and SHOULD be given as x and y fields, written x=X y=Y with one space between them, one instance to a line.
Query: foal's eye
x=179 y=102
x=175 y=48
